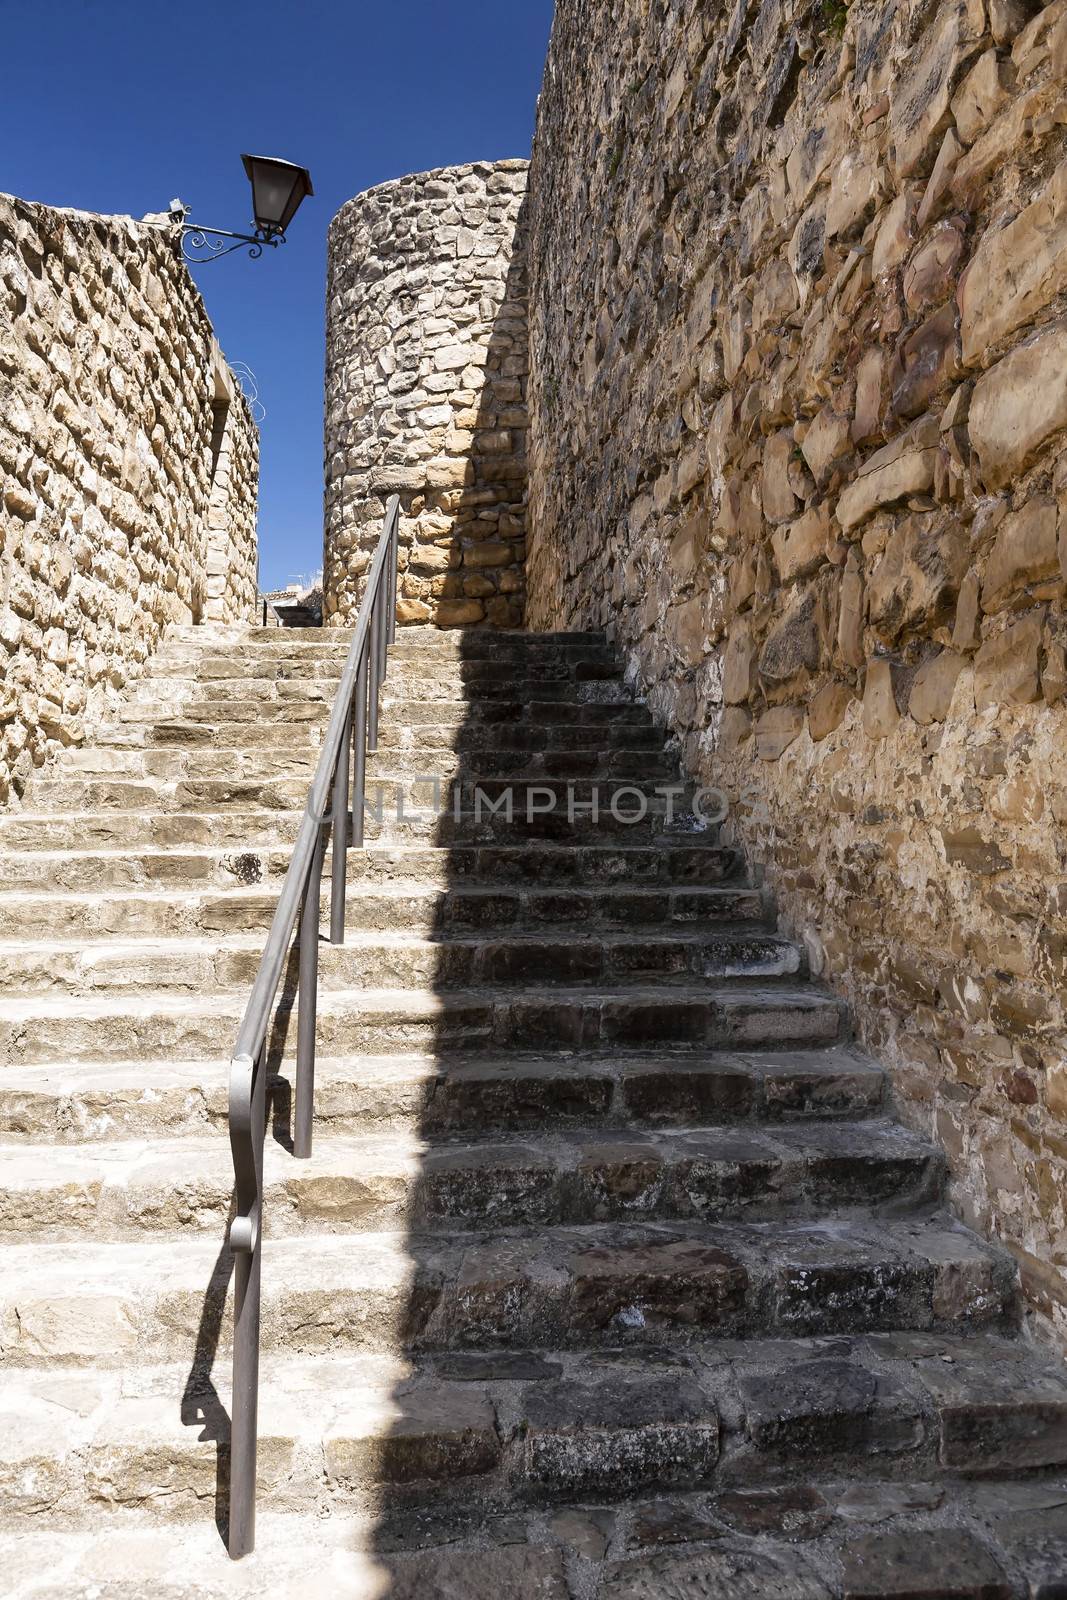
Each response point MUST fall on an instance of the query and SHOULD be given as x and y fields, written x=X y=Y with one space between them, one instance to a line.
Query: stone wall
x=798 y=334
x=426 y=393
x=129 y=467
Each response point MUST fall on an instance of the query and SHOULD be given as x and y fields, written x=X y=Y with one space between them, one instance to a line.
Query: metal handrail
x=351 y=733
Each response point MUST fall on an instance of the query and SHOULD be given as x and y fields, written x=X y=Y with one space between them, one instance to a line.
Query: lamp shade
x=277 y=189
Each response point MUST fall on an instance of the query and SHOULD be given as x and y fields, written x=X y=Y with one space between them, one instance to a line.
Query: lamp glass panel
x=272 y=189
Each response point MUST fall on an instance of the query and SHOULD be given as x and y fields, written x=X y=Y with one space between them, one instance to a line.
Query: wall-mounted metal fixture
x=278 y=187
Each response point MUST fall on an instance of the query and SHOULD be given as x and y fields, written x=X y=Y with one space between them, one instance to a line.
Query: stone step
x=453 y=736
x=538 y=1429
x=730 y=1016
x=472 y=642
x=58 y=832
x=660 y=864
x=191 y=696
x=469 y=643
x=824 y=1540
x=389 y=766
x=416 y=666
x=380 y=1182
x=167 y=912
x=604 y=1285
x=68 y=791
x=400 y=714
x=435 y=1095
x=570 y=955
x=390 y=819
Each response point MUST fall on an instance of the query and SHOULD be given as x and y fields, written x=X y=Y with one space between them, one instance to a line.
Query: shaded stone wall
x=426 y=393
x=124 y=441
x=798 y=335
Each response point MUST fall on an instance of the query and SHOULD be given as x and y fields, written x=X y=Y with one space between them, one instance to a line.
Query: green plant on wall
x=834 y=16
x=615 y=161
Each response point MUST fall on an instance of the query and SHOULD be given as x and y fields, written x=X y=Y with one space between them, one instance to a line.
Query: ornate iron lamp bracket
x=213 y=240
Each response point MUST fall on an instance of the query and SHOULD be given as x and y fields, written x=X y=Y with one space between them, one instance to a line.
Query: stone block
x=1006 y=668
x=880 y=714
x=779 y=500
x=923 y=1564
x=1019 y=404
x=488 y=553
x=676 y=1280
x=776 y=730
x=458 y=613
x=934 y=686
x=925 y=362
x=801 y=547
x=916 y=581
x=827 y=708
x=739 y=678
x=983 y=92
x=518 y=1572
x=921 y=95
x=852 y=613
x=903 y=467
x=1016 y=271
x=720 y=1573
x=825 y=442
x=581 y=1438
x=867 y=421
x=791 y=648
x=998 y=1416
x=940 y=180
x=1025 y=554
x=931 y=271
x=687 y=628
x=895 y=232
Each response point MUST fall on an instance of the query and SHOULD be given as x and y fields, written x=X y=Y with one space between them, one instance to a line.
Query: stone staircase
x=612 y=1274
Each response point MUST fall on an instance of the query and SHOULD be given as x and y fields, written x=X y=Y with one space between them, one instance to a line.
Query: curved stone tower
x=426 y=393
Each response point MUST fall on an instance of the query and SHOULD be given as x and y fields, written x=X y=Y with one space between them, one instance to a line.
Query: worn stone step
x=155 y=795
x=500 y=737
x=413 y=639
x=536 y=1429
x=473 y=641
x=120 y=1027
x=454 y=734
x=250 y=821
x=394 y=800
x=402 y=690
x=455 y=958
x=398 y=713
x=436 y=1095
x=661 y=864
x=166 y=911
x=609 y=1285
x=377 y=1182
x=829 y=1539
x=391 y=765
x=455 y=674
x=166 y=831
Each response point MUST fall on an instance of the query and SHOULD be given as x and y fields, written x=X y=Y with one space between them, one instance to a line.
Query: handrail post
x=382 y=609
x=394 y=575
x=308 y=1005
x=359 y=752
x=244 y=1423
x=374 y=675
x=339 y=864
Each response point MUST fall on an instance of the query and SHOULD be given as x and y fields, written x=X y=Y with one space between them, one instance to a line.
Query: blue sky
x=121 y=104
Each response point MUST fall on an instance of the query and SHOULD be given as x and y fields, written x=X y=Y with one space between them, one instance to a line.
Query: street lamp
x=278 y=187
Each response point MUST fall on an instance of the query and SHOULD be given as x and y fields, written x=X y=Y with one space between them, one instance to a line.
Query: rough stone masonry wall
x=128 y=470
x=798 y=335
x=426 y=393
